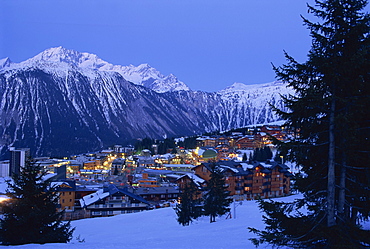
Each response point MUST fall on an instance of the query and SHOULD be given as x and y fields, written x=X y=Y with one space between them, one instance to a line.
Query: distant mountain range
x=63 y=102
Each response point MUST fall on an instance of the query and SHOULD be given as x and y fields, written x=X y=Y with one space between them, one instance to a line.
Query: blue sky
x=207 y=44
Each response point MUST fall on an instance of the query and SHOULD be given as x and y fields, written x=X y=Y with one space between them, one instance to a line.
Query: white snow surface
x=255 y=99
x=91 y=198
x=158 y=228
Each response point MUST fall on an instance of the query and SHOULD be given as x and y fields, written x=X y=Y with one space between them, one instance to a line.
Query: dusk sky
x=208 y=45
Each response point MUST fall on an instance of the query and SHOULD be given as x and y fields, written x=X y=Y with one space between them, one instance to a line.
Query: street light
x=236 y=205
x=282 y=159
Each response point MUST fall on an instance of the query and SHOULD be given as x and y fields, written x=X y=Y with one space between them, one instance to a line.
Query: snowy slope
x=253 y=101
x=157 y=229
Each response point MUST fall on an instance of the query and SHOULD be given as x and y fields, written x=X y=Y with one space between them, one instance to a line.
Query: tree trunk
x=342 y=187
x=354 y=214
x=331 y=168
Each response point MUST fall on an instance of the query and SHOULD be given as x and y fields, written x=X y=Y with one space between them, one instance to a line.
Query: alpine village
x=98 y=148
x=125 y=179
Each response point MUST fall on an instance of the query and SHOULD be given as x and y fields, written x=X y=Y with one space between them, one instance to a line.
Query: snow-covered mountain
x=62 y=102
x=254 y=101
x=143 y=74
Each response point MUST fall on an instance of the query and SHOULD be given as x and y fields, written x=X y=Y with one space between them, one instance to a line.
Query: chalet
x=163 y=159
x=145 y=160
x=224 y=152
x=93 y=165
x=112 y=201
x=249 y=142
x=66 y=190
x=271 y=129
x=176 y=160
x=206 y=142
x=69 y=198
x=130 y=165
x=246 y=181
x=158 y=195
x=117 y=166
x=190 y=178
x=147 y=182
x=203 y=171
x=263 y=181
x=230 y=170
x=194 y=180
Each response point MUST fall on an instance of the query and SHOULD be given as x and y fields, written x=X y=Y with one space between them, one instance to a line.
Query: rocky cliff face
x=61 y=105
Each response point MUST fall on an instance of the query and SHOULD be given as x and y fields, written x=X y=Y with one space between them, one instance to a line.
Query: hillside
x=64 y=102
x=158 y=229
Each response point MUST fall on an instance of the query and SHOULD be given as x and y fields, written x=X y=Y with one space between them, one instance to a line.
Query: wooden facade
x=260 y=180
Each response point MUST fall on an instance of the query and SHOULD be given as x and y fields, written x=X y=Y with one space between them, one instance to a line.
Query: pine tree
x=268 y=152
x=250 y=159
x=262 y=154
x=245 y=158
x=330 y=117
x=217 y=199
x=188 y=209
x=30 y=216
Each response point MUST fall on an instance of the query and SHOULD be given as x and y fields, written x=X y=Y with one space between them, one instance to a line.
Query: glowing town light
x=2 y=199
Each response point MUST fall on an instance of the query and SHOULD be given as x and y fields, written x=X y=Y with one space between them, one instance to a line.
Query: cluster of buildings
x=117 y=181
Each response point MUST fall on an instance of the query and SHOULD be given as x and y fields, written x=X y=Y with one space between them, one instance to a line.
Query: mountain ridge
x=59 y=108
x=143 y=75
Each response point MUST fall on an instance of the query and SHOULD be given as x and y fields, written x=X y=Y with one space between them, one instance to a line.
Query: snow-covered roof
x=265 y=165
x=228 y=167
x=196 y=179
x=178 y=165
x=107 y=151
x=246 y=166
x=94 y=197
x=166 y=156
x=109 y=190
x=48 y=176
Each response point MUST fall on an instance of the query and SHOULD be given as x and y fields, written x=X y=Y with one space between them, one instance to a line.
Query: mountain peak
x=58 y=58
x=5 y=62
x=243 y=87
x=58 y=54
x=237 y=85
x=144 y=66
